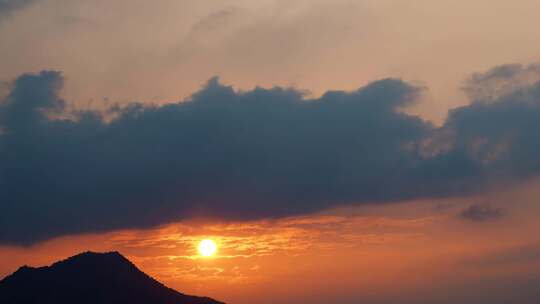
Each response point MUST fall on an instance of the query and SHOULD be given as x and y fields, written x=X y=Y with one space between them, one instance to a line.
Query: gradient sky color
x=336 y=151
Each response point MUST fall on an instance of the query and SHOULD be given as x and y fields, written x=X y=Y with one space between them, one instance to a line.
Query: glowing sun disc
x=207 y=248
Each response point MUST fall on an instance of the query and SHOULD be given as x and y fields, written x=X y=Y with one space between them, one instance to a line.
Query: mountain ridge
x=90 y=277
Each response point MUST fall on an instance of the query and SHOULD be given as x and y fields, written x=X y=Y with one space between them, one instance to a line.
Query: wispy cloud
x=8 y=7
x=481 y=212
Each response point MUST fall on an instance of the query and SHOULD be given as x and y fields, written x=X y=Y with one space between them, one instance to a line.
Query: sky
x=336 y=151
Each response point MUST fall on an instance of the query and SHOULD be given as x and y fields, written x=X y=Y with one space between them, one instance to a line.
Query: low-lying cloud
x=261 y=153
x=481 y=212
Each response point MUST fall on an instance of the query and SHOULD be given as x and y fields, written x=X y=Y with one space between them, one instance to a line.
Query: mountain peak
x=100 y=257
x=90 y=277
x=24 y=269
x=97 y=255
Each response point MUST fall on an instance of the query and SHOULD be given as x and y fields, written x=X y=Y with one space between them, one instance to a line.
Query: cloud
x=214 y=21
x=238 y=155
x=481 y=213
x=500 y=136
x=500 y=81
x=7 y=7
x=261 y=153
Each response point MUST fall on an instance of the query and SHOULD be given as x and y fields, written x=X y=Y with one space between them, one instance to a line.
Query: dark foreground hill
x=90 y=278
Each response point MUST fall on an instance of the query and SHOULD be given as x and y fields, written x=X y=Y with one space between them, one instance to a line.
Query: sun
x=207 y=248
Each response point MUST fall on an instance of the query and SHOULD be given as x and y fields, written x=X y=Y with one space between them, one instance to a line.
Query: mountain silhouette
x=90 y=278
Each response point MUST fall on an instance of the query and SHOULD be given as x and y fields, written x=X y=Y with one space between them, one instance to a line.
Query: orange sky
x=420 y=251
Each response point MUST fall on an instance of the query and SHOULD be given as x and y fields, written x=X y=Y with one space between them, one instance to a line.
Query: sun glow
x=207 y=248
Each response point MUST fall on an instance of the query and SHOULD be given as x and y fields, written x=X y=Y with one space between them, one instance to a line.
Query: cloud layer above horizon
x=261 y=153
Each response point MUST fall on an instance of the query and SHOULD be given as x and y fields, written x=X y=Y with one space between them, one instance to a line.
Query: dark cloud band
x=244 y=155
